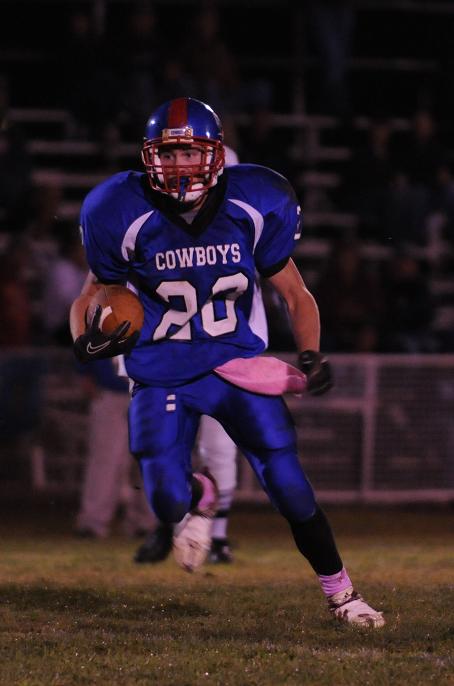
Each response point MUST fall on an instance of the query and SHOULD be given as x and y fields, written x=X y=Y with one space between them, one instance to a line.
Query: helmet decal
x=177 y=116
x=185 y=132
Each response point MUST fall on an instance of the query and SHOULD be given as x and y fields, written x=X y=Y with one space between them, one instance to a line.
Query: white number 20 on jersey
x=233 y=286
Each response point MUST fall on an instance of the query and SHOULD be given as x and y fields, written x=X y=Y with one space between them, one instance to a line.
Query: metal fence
x=384 y=434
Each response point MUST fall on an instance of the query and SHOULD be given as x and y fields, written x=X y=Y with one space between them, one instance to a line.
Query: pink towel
x=266 y=375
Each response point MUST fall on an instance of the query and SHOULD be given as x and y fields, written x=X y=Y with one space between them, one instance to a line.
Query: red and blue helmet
x=184 y=122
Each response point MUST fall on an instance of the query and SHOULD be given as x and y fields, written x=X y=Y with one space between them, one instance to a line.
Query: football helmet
x=184 y=122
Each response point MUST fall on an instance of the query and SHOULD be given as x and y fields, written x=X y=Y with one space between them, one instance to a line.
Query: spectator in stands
x=262 y=143
x=331 y=24
x=142 y=51
x=91 y=88
x=419 y=153
x=175 y=79
x=350 y=297
x=406 y=212
x=214 y=69
x=409 y=308
x=4 y=100
x=417 y=156
x=20 y=367
x=442 y=200
x=42 y=244
x=15 y=304
x=46 y=200
x=15 y=179
x=368 y=179
x=63 y=282
x=210 y=62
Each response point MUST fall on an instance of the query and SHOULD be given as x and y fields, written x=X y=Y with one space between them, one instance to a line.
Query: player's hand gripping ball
x=114 y=319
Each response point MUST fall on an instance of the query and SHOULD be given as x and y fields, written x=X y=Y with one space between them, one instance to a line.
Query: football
x=118 y=304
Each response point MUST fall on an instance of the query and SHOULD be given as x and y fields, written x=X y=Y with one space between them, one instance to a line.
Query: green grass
x=80 y=612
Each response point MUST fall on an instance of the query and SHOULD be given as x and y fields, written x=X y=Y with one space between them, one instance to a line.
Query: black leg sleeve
x=197 y=492
x=315 y=541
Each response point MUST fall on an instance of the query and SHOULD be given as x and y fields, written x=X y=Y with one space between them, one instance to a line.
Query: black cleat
x=157 y=545
x=220 y=552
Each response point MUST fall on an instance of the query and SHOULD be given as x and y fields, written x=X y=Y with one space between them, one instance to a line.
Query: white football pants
x=216 y=451
x=111 y=473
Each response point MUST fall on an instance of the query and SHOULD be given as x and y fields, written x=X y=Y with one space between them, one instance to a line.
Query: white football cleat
x=192 y=541
x=349 y=607
x=192 y=536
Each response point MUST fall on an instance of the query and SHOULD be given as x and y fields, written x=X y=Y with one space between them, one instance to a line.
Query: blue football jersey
x=195 y=281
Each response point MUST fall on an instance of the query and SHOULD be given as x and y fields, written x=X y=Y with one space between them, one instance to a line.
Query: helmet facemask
x=186 y=183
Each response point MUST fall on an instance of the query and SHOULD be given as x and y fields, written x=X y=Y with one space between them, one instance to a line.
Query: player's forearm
x=303 y=310
x=305 y=321
x=77 y=322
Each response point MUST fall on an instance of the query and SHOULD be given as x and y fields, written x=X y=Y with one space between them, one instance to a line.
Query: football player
x=218 y=453
x=190 y=234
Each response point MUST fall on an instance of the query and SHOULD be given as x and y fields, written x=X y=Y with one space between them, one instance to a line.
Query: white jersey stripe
x=257 y=318
x=129 y=240
x=256 y=217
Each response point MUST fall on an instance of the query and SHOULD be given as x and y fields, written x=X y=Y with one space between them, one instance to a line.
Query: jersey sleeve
x=102 y=235
x=282 y=228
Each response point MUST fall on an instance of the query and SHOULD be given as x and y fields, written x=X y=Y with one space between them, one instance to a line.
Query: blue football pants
x=163 y=424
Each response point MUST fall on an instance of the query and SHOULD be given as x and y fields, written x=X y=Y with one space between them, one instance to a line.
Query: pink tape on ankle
x=335 y=583
x=208 y=498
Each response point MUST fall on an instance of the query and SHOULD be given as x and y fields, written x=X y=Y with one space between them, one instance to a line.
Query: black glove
x=317 y=370
x=96 y=345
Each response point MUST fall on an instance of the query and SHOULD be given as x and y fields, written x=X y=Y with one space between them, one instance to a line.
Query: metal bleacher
x=320 y=149
x=59 y=158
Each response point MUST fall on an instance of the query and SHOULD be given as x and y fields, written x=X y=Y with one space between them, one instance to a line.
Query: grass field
x=80 y=612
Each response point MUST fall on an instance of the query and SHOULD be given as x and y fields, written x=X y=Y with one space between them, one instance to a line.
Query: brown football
x=118 y=304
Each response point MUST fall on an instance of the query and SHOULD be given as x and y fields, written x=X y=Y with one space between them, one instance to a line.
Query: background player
x=109 y=475
x=192 y=235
